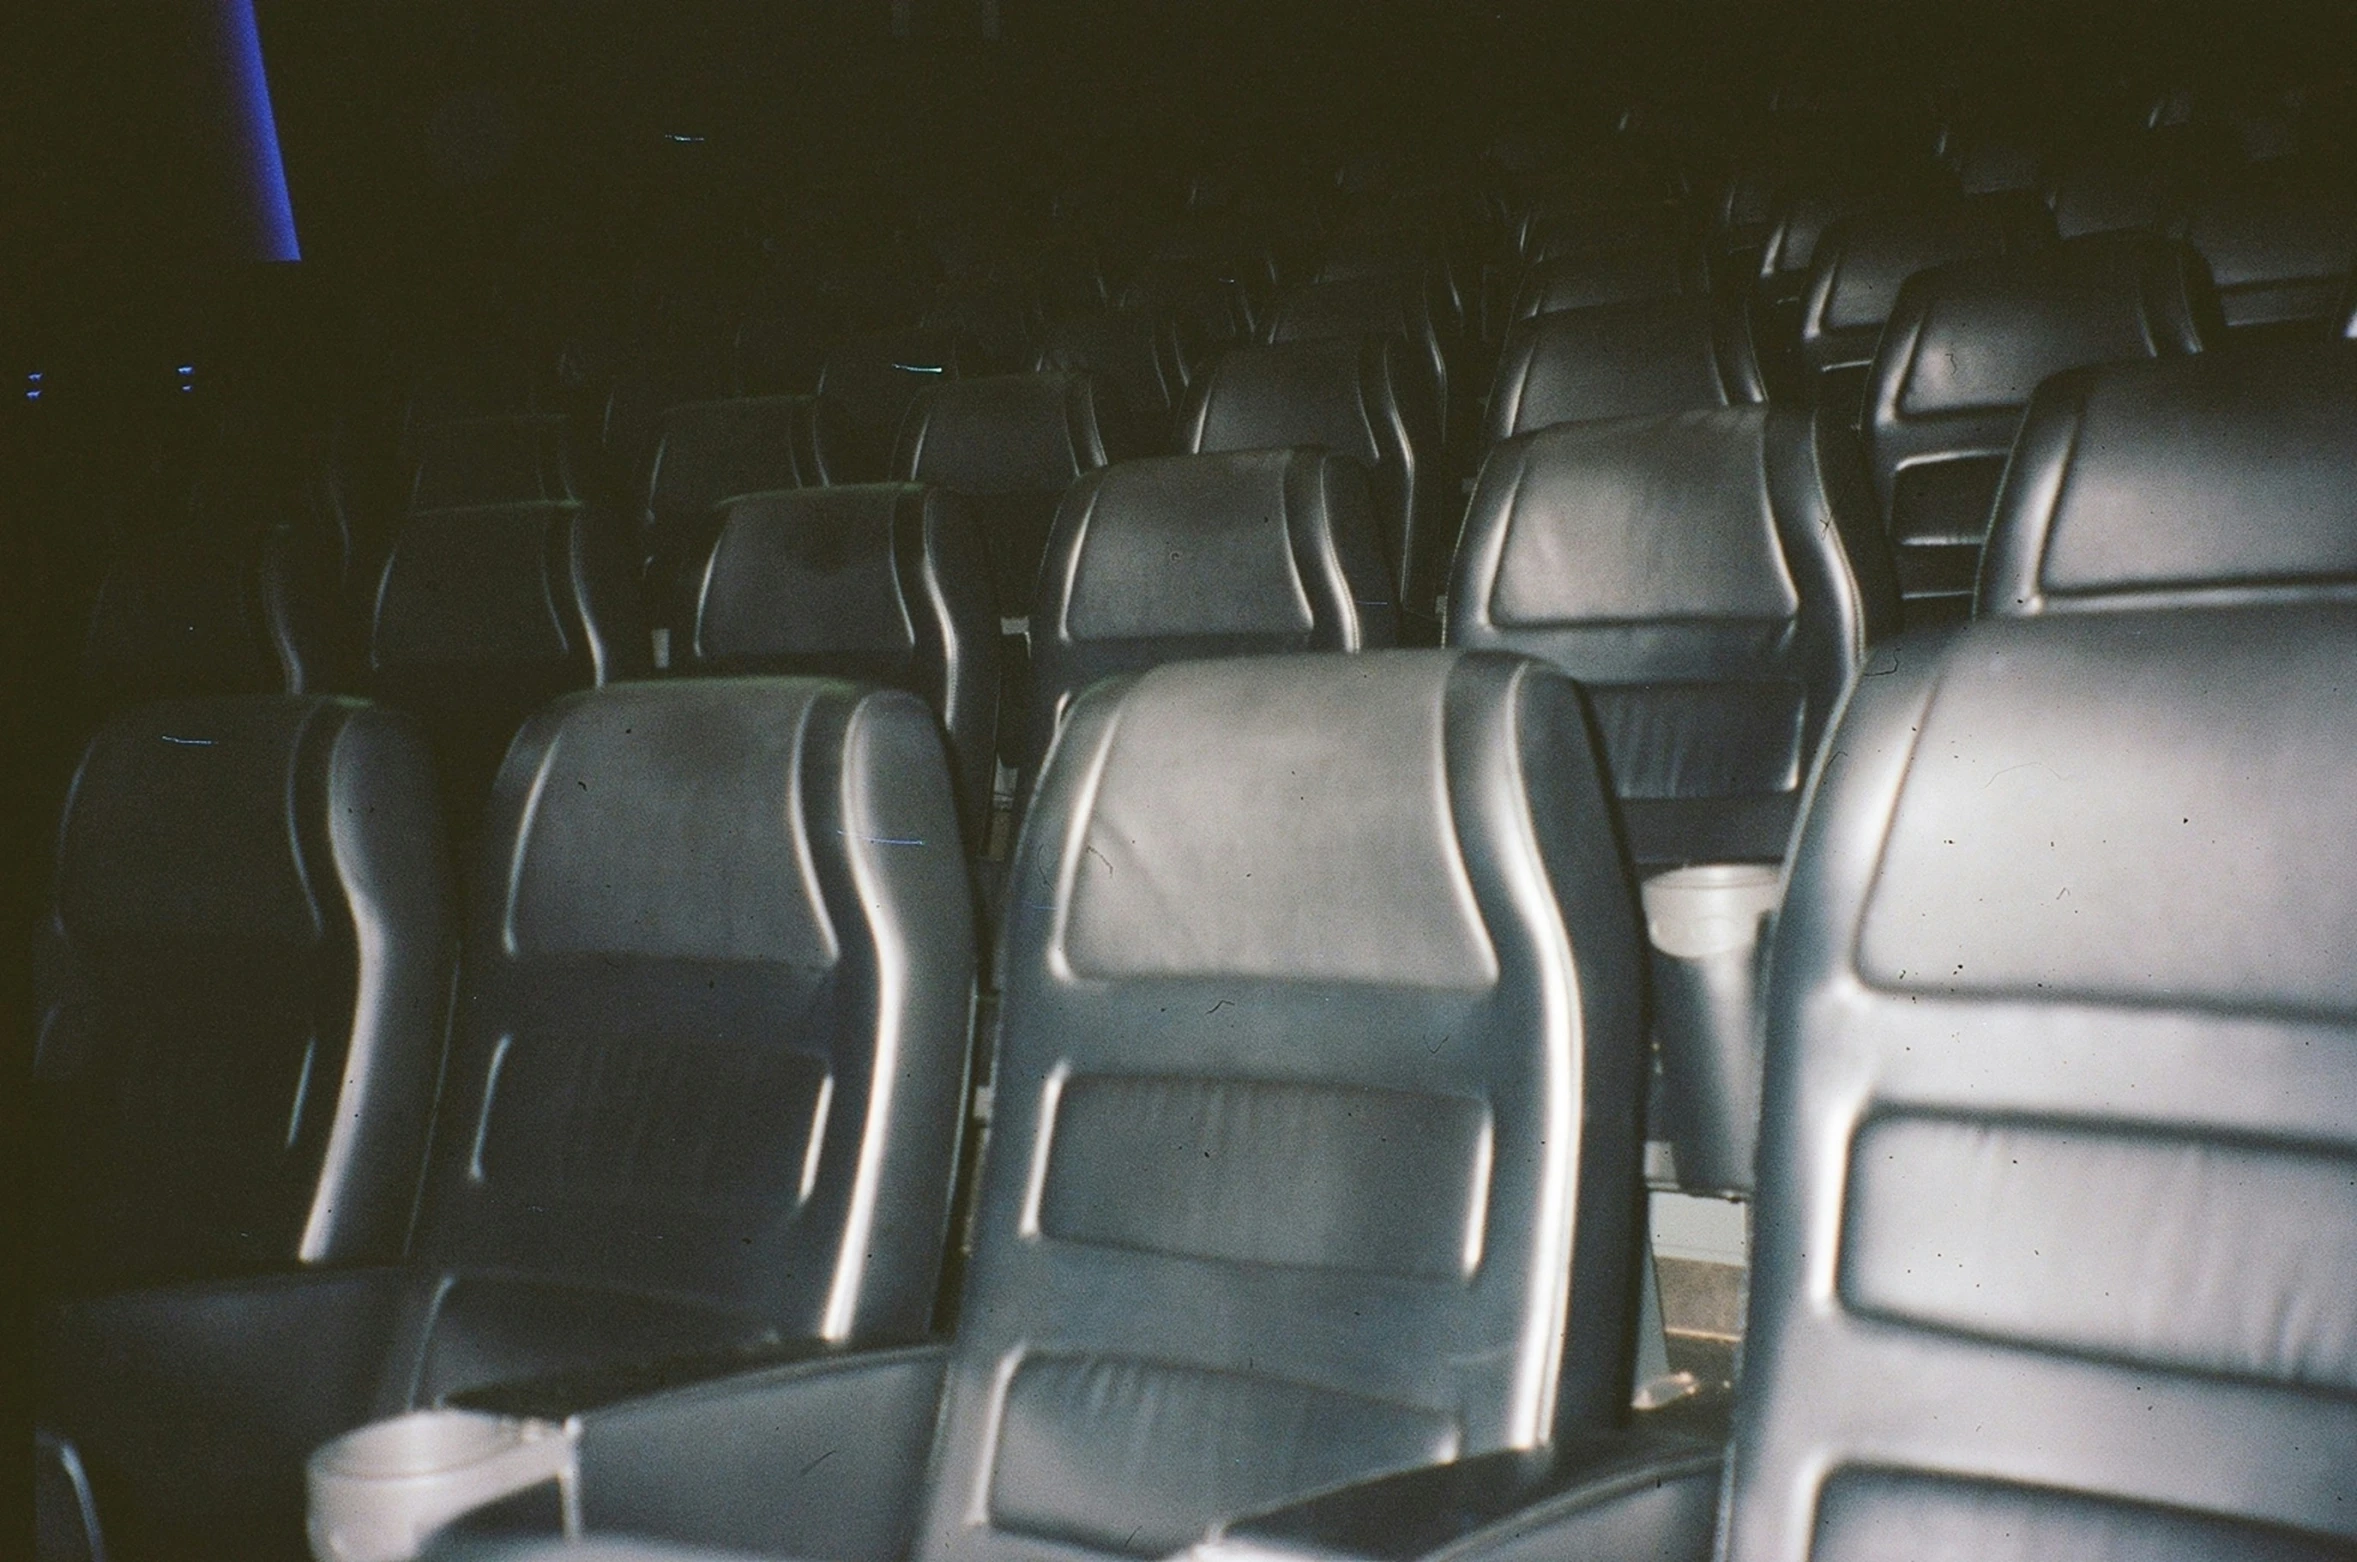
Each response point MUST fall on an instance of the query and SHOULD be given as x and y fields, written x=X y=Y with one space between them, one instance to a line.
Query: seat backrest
x=2055 y=1250
x=1691 y=571
x=711 y=1045
x=504 y=460
x=1663 y=265
x=885 y=582
x=1314 y=1132
x=707 y=451
x=1011 y=443
x=1863 y=260
x=242 y=988
x=1623 y=360
x=1245 y=553
x=873 y=379
x=1215 y=301
x=1965 y=347
x=482 y=616
x=2229 y=477
x=2278 y=248
x=1349 y=396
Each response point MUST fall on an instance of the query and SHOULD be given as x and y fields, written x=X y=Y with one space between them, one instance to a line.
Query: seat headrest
x=1296 y=393
x=182 y=824
x=1629 y=520
x=1005 y=433
x=501 y=460
x=810 y=572
x=1653 y=266
x=657 y=827
x=1210 y=546
x=2218 y=477
x=1179 y=864
x=2276 y=247
x=1979 y=335
x=708 y=451
x=1623 y=360
x=1392 y=304
x=477 y=585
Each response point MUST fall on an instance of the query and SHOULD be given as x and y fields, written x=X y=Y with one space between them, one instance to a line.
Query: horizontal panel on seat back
x=2227 y=475
x=724 y=927
x=242 y=993
x=1312 y=1131
x=2058 y=1247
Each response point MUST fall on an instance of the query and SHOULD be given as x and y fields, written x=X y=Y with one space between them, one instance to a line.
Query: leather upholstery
x=1965 y=347
x=873 y=380
x=1194 y=556
x=1402 y=307
x=706 y=1074
x=1213 y=300
x=1690 y=571
x=200 y=609
x=241 y=992
x=1350 y=396
x=1314 y=1145
x=1862 y=261
x=2278 y=248
x=1012 y=444
x=1623 y=360
x=2227 y=477
x=885 y=583
x=482 y=616
x=707 y=451
x=2057 y=1253
x=484 y=461
x=1663 y=266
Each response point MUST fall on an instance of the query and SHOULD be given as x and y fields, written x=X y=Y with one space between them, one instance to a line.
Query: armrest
x=817 y=1458
x=1598 y=1497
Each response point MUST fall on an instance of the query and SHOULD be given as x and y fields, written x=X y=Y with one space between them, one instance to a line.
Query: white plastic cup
x=1705 y=927
x=380 y=1493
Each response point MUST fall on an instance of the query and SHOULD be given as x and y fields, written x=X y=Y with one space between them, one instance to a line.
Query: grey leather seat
x=873 y=379
x=2104 y=187
x=1314 y=1142
x=2212 y=479
x=482 y=616
x=705 y=1078
x=1624 y=360
x=1011 y=444
x=1965 y=347
x=2055 y=1226
x=885 y=582
x=1863 y=260
x=1352 y=396
x=1690 y=570
x=1185 y=557
x=707 y=451
x=241 y=981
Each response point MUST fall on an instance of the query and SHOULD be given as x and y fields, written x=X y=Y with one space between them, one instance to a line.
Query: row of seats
x=1319 y=1063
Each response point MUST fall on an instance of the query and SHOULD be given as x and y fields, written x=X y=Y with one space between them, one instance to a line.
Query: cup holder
x=380 y=1493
